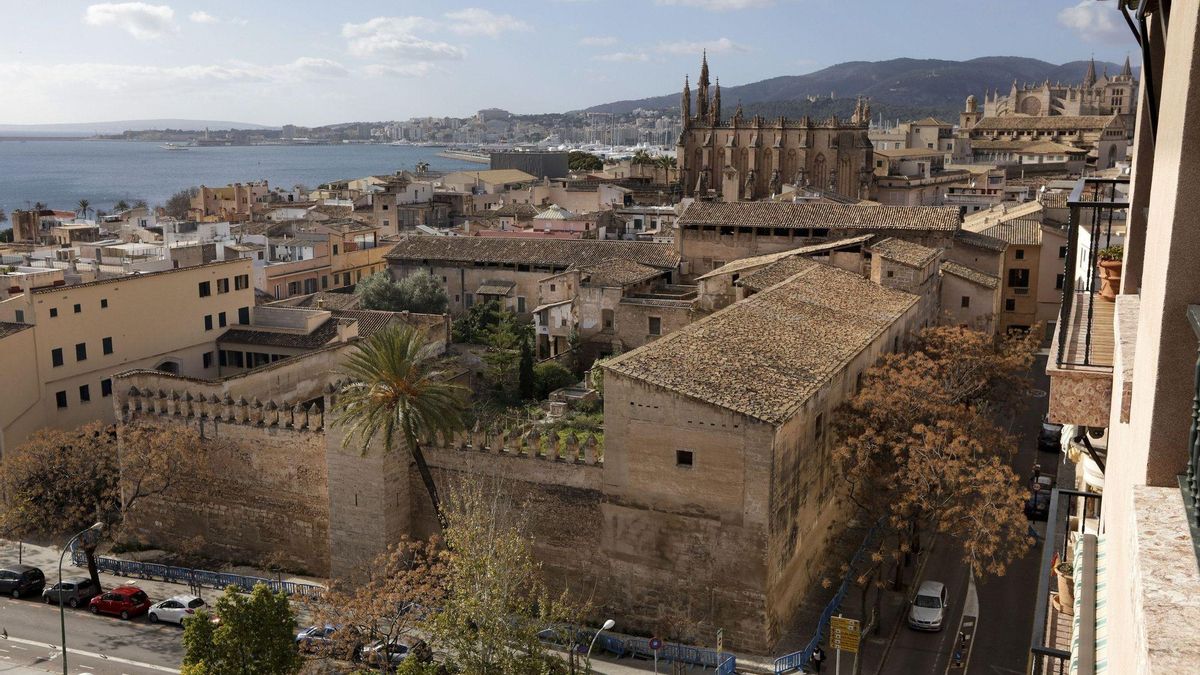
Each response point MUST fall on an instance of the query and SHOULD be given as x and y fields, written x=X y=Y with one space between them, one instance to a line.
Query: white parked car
x=176 y=609
x=928 y=610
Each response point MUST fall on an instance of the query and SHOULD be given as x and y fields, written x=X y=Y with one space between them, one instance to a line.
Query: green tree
x=256 y=635
x=550 y=376
x=577 y=160
x=178 y=204
x=84 y=207
x=642 y=157
x=121 y=205
x=3 y=216
x=397 y=391
x=475 y=325
x=418 y=292
x=503 y=358
x=525 y=377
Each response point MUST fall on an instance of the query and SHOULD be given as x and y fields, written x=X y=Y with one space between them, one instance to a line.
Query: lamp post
x=608 y=624
x=62 y=616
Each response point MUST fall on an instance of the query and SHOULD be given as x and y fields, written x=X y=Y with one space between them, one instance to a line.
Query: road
x=1001 y=642
x=96 y=644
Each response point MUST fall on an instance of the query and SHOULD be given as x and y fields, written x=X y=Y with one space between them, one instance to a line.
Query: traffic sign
x=655 y=644
x=844 y=634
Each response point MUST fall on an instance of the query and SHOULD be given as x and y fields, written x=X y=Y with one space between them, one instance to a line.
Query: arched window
x=820 y=173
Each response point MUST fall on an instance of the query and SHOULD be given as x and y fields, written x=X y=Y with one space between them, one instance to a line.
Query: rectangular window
x=1062 y=252
x=103 y=303
x=20 y=316
x=655 y=326
x=239 y=359
x=56 y=357
x=1018 y=278
x=60 y=398
x=1020 y=254
x=551 y=288
x=105 y=388
x=78 y=308
x=244 y=316
x=222 y=286
x=221 y=320
x=107 y=345
x=85 y=394
x=324 y=282
x=684 y=458
x=335 y=249
x=819 y=427
x=1010 y=305
x=223 y=357
x=81 y=351
x=208 y=322
x=1059 y=280
x=208 y=356
x=205 y=289
x=520 y=305
x=966 y=301
x=53 y=312
x=470 y=300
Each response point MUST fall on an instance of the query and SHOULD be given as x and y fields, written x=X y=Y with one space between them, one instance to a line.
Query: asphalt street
x=1001 y=640
x=95 y=644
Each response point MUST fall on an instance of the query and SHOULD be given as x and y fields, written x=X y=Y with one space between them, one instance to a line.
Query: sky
x=310 y=63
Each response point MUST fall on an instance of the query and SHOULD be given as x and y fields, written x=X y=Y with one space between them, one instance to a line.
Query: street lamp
x=608 y=624
x=62 y=617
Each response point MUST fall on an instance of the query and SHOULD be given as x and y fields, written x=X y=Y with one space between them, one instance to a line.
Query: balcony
x=1081 y=367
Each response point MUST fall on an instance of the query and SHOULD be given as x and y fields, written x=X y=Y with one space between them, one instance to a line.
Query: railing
x=799 y=660
x=1047 y=659
x=1189 y=482
x=206 y=578
x=1094 y=205
x=722 y=662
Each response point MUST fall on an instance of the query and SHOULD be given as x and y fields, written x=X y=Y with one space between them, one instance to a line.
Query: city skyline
x=273 y=63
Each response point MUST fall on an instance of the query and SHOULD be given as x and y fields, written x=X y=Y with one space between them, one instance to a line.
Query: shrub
x=549 y=376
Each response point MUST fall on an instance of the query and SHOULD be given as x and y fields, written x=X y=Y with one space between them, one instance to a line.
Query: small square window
x=103 y=303
x=20 y=316
x=106 y=388
x=1010 y=305
x=205 y=289
x=85 y=394
x=222 y=286
x=53 y=312
x=684 y=458
x=1062 y=252
x=78 y=308
x=1020 y=254
x=966 y=301
x=244 y=316
x=60 y=398
x=655 y=326
x=891 y=274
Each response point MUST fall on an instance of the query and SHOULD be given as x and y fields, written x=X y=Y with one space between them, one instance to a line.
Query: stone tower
x=714 y=113
x=969 y=117
x=685 y=104
x=702 y=89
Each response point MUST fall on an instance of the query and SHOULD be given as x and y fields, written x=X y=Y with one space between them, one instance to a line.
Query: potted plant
x=1065 y=571
x=1110 y=271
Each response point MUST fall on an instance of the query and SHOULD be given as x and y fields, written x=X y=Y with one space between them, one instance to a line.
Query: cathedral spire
x=1090 y=78
x=702 y=88
x=685 y=104
x=1126 y=71
x=716 y=105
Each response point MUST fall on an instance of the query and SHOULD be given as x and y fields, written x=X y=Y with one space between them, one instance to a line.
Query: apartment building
x=62 y=344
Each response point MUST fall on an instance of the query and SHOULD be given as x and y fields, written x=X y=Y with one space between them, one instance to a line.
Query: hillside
x=119 y=126
x=898 y=88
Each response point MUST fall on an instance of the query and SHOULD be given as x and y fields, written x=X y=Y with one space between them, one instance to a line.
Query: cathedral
x=1106 y=95
x=748 y=159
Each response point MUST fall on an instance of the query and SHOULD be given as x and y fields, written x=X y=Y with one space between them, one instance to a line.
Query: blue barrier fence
x=722 y=662
x=798 y=660
x=185 y=575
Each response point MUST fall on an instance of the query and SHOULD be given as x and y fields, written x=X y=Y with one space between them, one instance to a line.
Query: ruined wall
x=265 y=489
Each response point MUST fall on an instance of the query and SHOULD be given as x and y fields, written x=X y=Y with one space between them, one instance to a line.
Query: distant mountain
x=898 y=88
x=88 y=128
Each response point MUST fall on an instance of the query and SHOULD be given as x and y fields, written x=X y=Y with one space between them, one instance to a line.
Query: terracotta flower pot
x=1110 y=279
x=1066 y=592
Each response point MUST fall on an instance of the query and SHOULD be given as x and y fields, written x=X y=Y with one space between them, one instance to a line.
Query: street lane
x=115 y=646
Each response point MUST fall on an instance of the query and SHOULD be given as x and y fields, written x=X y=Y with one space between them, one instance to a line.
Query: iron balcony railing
x=1189 y=482
x=1097 y=206
x=1045 y=659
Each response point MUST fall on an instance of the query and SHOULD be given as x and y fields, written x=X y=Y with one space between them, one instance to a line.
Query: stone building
x=1027 y=140
x=748 y=159
x=1106 y=95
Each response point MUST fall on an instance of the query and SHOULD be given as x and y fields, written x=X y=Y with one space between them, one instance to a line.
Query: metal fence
x=798 y=660
x=192 y=577
x=723 y=662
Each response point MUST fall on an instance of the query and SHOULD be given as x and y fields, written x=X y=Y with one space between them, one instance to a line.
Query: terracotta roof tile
x=7 y=328
x=555 y=252
x=776 y=272
x=904 y=252
x=981 y=241
x=768 y=258
x=1023 y=231
x=974 y=276
x=766 y=355
x=618 y=272
x=818 y=215
x=1046 y=123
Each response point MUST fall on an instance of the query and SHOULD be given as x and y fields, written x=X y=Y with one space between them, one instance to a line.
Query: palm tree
x=83 y=207
x=38 y=206
x=3 y=216
x=396 y=389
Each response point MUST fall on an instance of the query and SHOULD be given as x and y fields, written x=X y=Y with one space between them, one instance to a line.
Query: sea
x=59 y=173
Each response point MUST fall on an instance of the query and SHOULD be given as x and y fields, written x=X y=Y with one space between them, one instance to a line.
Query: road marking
x=91 y=655
x=966 y=626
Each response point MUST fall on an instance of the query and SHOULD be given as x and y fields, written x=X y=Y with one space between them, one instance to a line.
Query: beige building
x=75 y=338
x=1022 y=140
x=1105 y=95
x=234 y=203
x=1123 y=377
x=486 y=181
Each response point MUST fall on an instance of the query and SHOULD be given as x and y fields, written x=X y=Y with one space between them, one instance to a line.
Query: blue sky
x=308 y=62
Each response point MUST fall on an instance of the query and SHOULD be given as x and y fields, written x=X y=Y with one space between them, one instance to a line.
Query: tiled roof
x=904 y=252
x=974 y=276
x=518 y=211
x=909 y=152
x=1045 y=123
x=489 y=176
x=1023 y=231
x=491 y=287
x=1029 y=147
x=7 y=328
x=835 y=216
x=324 y=299
x=931 y=121
x=774 y=273
x=766 y=355
x=554 y=252
x=321 y=336
x=1054 y=199
x=371 y=321
x=981 y=241
x=768 y=258
x=618 y=272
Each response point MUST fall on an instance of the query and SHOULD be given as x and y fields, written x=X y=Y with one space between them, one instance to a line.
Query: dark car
x=329 y=640
x=74 y=591
x=20 y=580
x=123 y=601
x=1050 y=436
x=1037 y=506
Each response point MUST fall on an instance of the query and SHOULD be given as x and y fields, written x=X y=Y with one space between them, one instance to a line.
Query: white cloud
x=719 y=46
x=623 y=57
x=476 y=21
x=141 y=20
x=393 y=37
x=202 y=17
x=719 y=5
x=598 y=41
x=118 y=78
x=1094 y=21
x=385 y=70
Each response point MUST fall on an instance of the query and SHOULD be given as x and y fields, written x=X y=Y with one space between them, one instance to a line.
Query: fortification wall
x=264 y=490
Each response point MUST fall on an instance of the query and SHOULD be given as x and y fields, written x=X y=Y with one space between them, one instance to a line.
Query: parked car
x=321 y=640
x=174 y=610
x=379 y=653
x=74 y=591
x=928 y=609
x=1037 y=505
x=1050 y=436
x=123 y=601
x=20 y=580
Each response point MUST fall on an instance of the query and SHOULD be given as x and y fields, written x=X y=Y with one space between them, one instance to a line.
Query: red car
x=123 y=601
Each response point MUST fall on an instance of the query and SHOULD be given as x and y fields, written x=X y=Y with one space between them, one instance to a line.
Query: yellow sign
x=844 y=634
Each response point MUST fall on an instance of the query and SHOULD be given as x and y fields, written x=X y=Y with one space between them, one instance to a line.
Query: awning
x=1089 y=636
x=548 y=305
x=500 y=288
